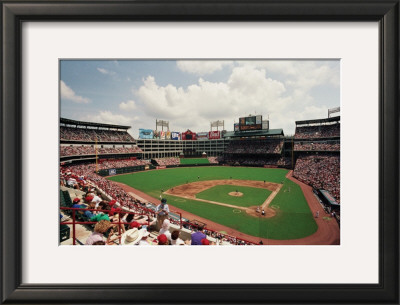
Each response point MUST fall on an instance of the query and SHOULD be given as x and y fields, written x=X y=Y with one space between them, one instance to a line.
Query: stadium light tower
x=217 y=124
x=163 y=124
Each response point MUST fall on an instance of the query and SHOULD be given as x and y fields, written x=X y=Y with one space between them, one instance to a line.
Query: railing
x=74 y=221
x=230 y=238
x=181 y=223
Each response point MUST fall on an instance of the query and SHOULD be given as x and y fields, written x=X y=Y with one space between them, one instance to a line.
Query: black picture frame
x=15 y=13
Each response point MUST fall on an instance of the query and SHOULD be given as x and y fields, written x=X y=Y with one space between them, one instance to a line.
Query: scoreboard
x=250 y=123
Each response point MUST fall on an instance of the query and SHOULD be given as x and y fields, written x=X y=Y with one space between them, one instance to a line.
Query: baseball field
x=230 y=196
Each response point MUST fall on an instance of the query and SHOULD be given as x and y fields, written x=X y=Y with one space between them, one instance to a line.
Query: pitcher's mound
x=236 y=194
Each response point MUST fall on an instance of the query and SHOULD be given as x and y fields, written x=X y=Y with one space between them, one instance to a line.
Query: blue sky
x=192 y=93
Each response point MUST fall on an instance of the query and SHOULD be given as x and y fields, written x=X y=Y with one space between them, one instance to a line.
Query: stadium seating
x=213 y=160
x=91 y=150
x=255 y=147
x=83 y=134
x=167 y=161
x=320 y=171
x=320 y=131
x=316 y=146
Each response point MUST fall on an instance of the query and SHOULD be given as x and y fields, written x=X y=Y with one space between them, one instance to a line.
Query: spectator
x=175 y=240
x=135 y=224
x=98 y=235
x=162 y=211
x=205 y=242
x=96 y=199
x=99 y=242
x=162 y=240
x=77 y=205
x=165 y=229
x=99 y=217
x=198 y=236
x=131 y=237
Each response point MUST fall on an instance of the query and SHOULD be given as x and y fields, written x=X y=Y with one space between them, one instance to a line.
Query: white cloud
x=129 y=105
x=107 y=117
x=252 y=88
x=202 y=67
x=304 y=74
x=248 y=90
x=105 y=72
x=69 y=94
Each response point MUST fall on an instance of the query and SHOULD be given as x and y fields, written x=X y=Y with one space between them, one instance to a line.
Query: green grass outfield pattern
x=194 y=161
x=251 y=195
x=293 y=220
x=152 y=182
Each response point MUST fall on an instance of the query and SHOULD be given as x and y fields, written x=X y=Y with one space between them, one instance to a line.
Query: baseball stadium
x=246 y=184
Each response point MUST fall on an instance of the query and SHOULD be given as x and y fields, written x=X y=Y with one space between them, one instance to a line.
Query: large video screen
x=250 y=123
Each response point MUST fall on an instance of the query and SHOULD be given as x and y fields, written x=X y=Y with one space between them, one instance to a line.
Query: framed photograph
x=77 y=76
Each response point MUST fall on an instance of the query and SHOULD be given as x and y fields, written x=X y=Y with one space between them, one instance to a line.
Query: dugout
x=329 y=201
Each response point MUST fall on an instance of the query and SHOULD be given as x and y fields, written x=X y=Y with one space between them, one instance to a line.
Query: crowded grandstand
x=97 y=211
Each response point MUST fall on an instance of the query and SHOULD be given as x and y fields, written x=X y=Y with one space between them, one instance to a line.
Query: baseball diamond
x=289 y=220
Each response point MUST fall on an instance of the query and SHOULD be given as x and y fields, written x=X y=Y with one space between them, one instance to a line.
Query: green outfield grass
x=194 y=161
x=293 y=219
x=220 y=193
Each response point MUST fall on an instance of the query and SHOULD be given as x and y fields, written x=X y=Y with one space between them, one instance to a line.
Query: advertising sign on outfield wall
x=162 y=135
x=145 y=133
x=112 y=171
x=168 y=135
x=236 y=127
x=202 y=135
x=175 y=135
x=212 y=135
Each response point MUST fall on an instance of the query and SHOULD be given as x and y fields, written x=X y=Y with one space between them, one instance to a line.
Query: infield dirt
x=189 y=191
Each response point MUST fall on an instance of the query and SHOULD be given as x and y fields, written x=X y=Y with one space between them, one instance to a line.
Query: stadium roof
x=320 y=121
x=81 y=123
x=255 y=133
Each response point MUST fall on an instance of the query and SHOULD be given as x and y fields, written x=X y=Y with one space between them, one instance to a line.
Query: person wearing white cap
x=96 y=199
x=131 y=237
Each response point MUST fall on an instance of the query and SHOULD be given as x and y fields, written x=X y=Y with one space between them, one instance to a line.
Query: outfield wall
x=123 y=170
